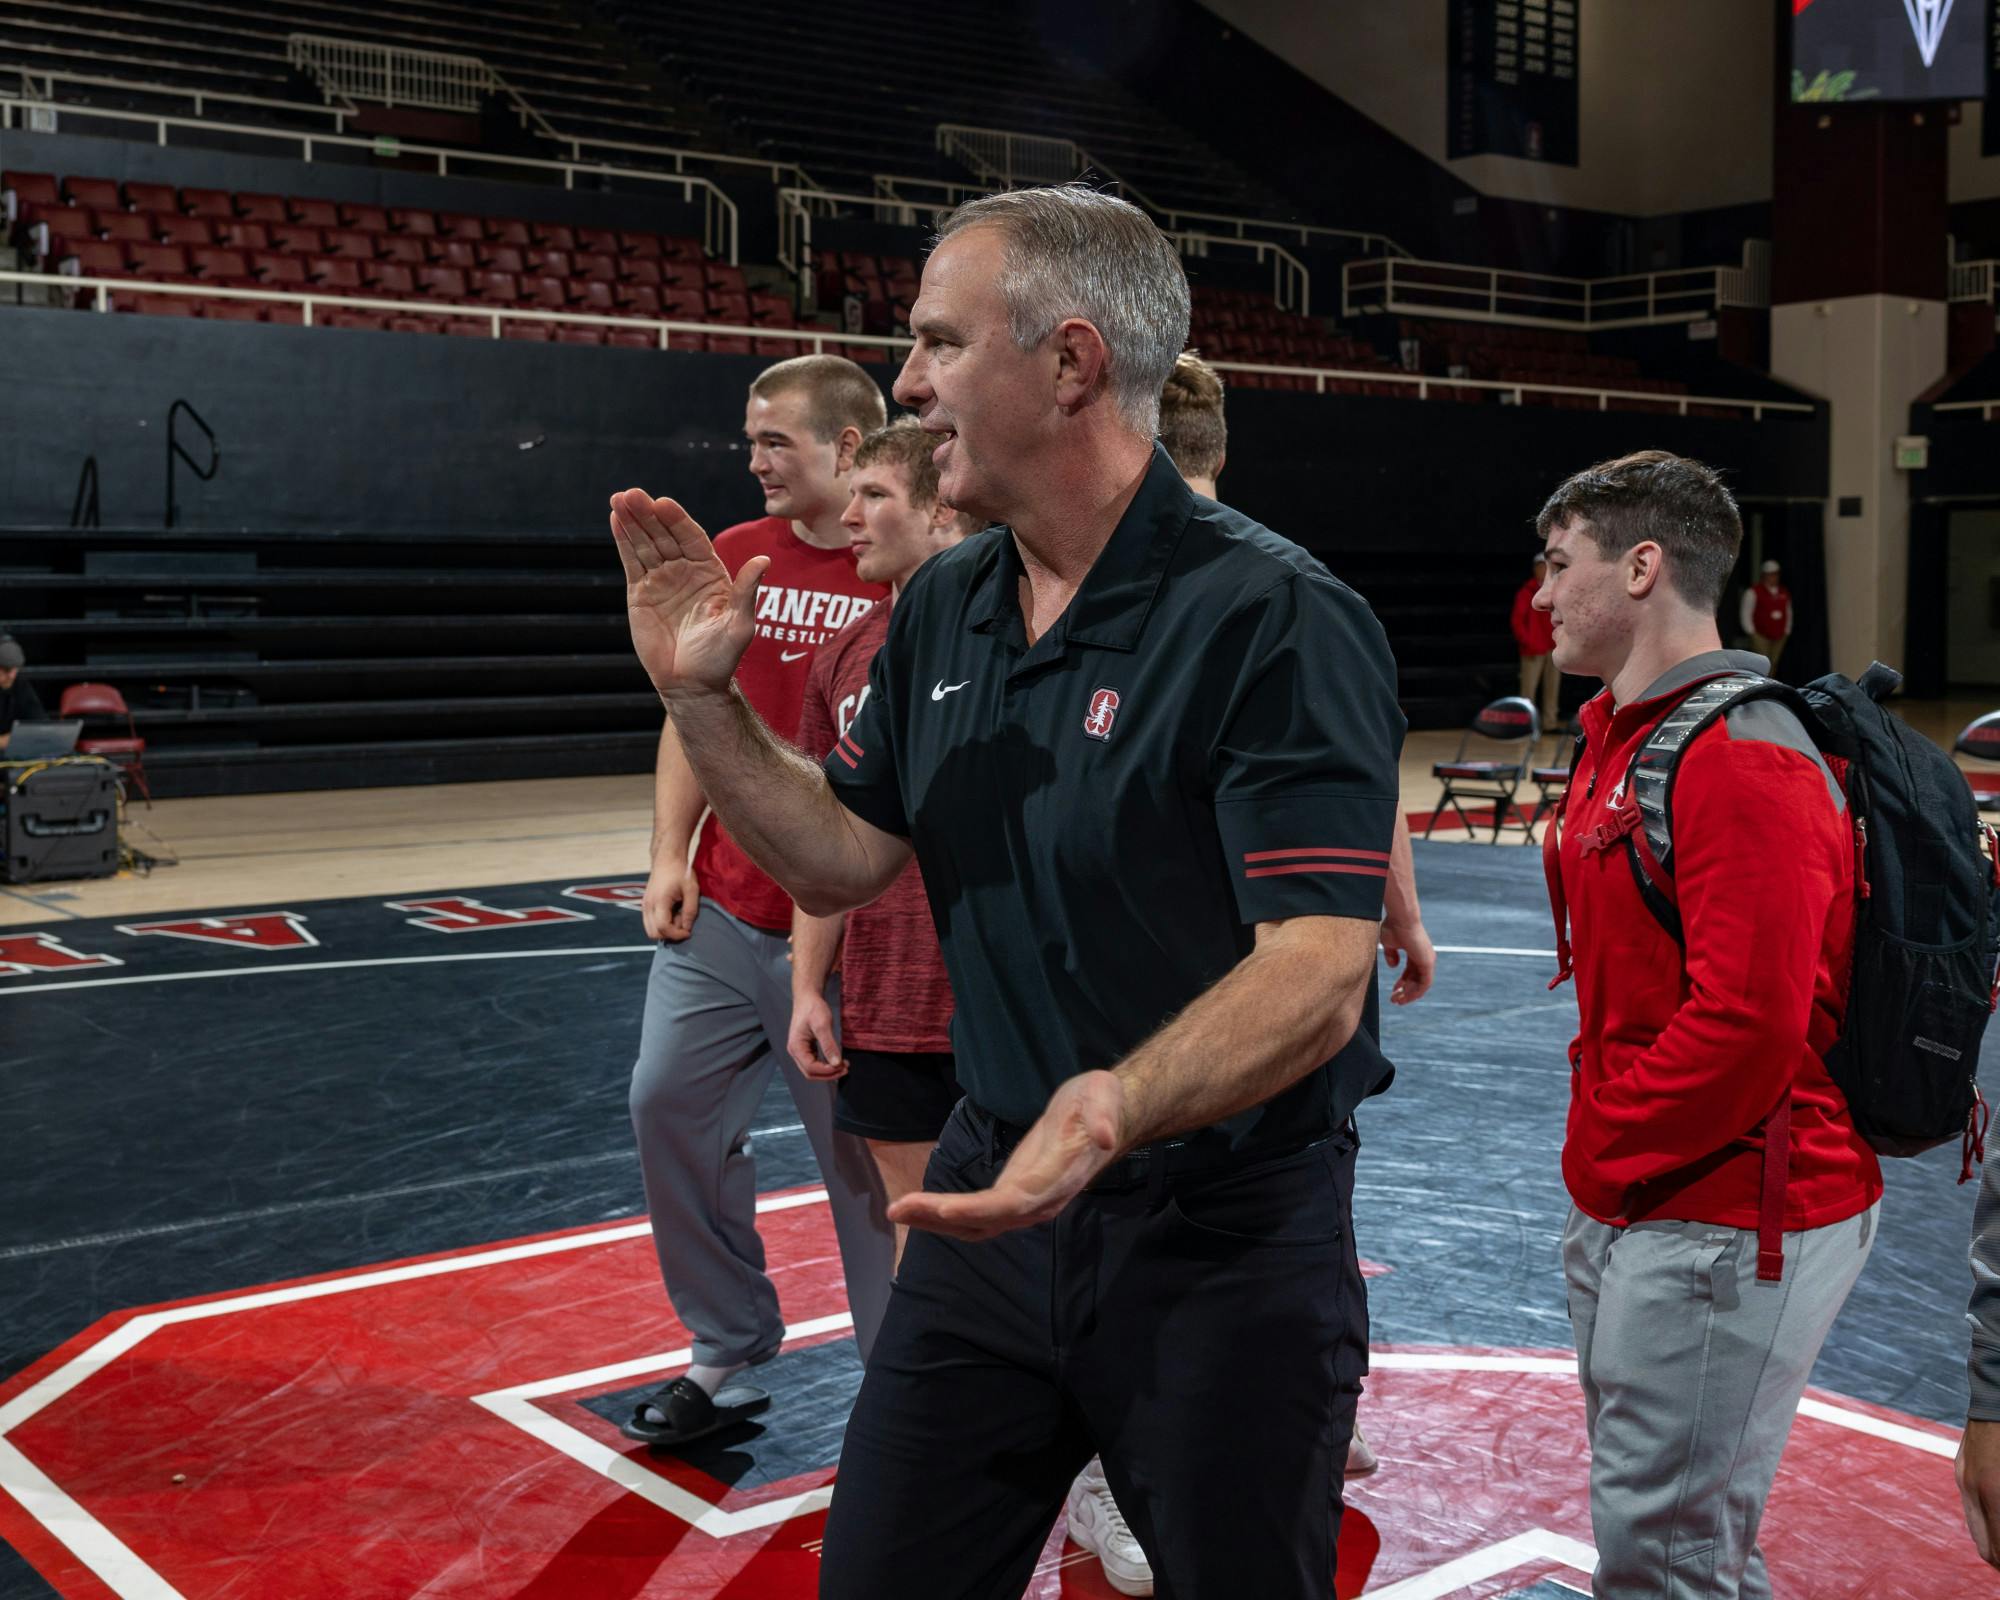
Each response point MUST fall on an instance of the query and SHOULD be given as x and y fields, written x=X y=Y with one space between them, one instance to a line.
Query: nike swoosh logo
x=944 y=689
x=793 y=655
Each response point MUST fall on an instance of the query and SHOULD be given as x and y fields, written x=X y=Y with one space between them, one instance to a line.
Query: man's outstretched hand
x=1076 y=1138
x=690 y=621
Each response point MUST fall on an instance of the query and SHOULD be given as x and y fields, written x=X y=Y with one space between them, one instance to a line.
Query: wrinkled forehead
x=961 y=279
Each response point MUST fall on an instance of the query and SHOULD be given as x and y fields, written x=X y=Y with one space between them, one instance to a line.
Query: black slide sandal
x=686 y=1413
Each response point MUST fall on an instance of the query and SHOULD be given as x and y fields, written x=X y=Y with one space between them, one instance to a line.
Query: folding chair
x=1509 y=721
x=127 y=752
x=1980 y=740
x=1552 y=781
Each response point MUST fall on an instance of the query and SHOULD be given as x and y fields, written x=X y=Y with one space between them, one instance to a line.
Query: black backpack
x=1927 y=913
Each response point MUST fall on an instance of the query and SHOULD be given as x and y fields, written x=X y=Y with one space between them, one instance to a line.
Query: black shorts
x=899 y=1097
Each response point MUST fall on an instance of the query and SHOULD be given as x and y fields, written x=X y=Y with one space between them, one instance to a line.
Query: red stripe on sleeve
x=840 y=750
x=1316 y=851
x=1317 y=866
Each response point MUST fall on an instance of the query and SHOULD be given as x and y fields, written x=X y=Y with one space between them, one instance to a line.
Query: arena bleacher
x=280 y=661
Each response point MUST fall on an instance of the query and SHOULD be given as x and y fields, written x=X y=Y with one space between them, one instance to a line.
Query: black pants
x=1205 y=1330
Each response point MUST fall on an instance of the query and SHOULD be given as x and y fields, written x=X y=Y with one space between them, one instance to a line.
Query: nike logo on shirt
x=793 y=655
x=944 y=689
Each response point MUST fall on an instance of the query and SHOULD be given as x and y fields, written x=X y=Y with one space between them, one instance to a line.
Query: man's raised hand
x=690 y=621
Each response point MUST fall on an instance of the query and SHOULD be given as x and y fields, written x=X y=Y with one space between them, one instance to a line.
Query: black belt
x=1155 y=1164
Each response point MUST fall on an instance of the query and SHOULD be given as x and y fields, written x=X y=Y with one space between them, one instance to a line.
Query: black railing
x=176 y=452
x=83 y=512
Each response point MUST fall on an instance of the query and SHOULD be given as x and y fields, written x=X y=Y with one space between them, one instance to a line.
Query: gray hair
x=1072 y=252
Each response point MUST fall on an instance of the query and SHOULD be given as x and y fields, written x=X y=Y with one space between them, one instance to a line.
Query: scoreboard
x=1512 y=77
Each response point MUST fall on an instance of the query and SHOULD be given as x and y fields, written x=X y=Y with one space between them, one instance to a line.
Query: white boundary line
x=516 y=1405
x=127 y=1576
x=94 y=1544
x=1537 y=1544
x=327 y=966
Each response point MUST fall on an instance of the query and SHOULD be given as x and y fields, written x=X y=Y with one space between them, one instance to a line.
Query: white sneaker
x=1096 y=1523
x=1360 y=1459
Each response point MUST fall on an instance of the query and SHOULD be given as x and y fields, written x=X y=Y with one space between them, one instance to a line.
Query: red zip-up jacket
x=1678 y=1061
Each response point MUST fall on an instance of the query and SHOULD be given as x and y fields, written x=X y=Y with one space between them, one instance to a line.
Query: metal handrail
x=497 y=316
x=171 y=90
x=1972 y=280
x=394 y=74
x=175 y=451
x=889 y=186
x=1988 y=409
x=83 y=510
x=720 y=221
x=972 y=146
x=1291 y=283
x=1470 y=293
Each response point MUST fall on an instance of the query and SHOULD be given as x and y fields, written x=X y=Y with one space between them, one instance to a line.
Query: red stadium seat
x=221 y=266
x=100 y=258
x=209 y=203
x=368 y=321
x=159 y=260
x=285 y=316
x=639 y=247
x=280 y=272
x=410 y=220
x=545 y=293
x=232 y=311
x=591 y=295
x=640 y=270
x=100 y=194
x=777 y=347
x=678 y=247
x=527 y=332
x=457 y=253
x=599 y=266
x=731 y=308
x=157 y=197
x=354 y=246
x=394 y=247
x=399 y=323
x=684 y=305
x=553 y=235
x=567 y=334
x=631 y=339
x=502 y=258
x=295 y=241
x=313 y=213
x=729 y=280
x=364 y=219
x=252 y=236
x=461 y=225
x=728 y=344
x=443 y=283
x=470 y=327
x=389 y=280
x=193 y=232
x=599 y=240
x=497 y=288
x=127 y=226
x=31 y=188
x=511 y=231
x=341 y=274
x=266 y=208
x=161 y=305
x=640 y=301
x=555 y=263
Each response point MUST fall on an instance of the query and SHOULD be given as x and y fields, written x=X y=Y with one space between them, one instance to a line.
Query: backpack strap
x=1552 y=872
x=1649 y=847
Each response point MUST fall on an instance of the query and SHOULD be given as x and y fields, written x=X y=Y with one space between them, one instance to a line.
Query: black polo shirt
x=1206 y=739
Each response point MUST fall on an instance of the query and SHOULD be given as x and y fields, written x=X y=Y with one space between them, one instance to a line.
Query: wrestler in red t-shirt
x=894 y=992
x=807 y=596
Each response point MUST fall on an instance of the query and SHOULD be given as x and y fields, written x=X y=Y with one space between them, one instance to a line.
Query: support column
x=1858 y=317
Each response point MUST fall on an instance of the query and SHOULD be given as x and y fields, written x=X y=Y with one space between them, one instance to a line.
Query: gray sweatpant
x=718 y=1007
x=1692 y=1371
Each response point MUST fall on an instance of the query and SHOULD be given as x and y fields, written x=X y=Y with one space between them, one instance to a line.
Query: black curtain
x=1795 y=537
x=1925 y=647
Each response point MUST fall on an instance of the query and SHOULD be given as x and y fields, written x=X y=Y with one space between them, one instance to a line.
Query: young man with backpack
x=1711 y=954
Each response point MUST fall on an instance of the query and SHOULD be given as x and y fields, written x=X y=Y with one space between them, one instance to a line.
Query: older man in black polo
x=1145 y=751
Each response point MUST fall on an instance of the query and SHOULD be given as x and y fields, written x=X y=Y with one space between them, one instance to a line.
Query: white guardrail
x=497 y=317
x=1291 y=283
x=721 y=230
x=1972 y=280
x=1488 y=294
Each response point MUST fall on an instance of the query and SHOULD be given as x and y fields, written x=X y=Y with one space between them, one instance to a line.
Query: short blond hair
x=1191 y=425
x=839 y=395
x=904 y=444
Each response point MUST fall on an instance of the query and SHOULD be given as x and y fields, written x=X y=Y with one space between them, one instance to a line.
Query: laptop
x=39 y=741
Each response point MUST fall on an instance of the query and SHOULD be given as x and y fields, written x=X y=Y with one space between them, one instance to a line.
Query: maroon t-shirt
x=807 y=595
x=894 y=995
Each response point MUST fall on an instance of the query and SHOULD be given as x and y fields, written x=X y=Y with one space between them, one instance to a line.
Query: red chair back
x=92 y=699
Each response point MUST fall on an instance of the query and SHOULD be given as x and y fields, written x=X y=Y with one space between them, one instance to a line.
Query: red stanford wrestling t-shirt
x=807 y=596
x=894 y=995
